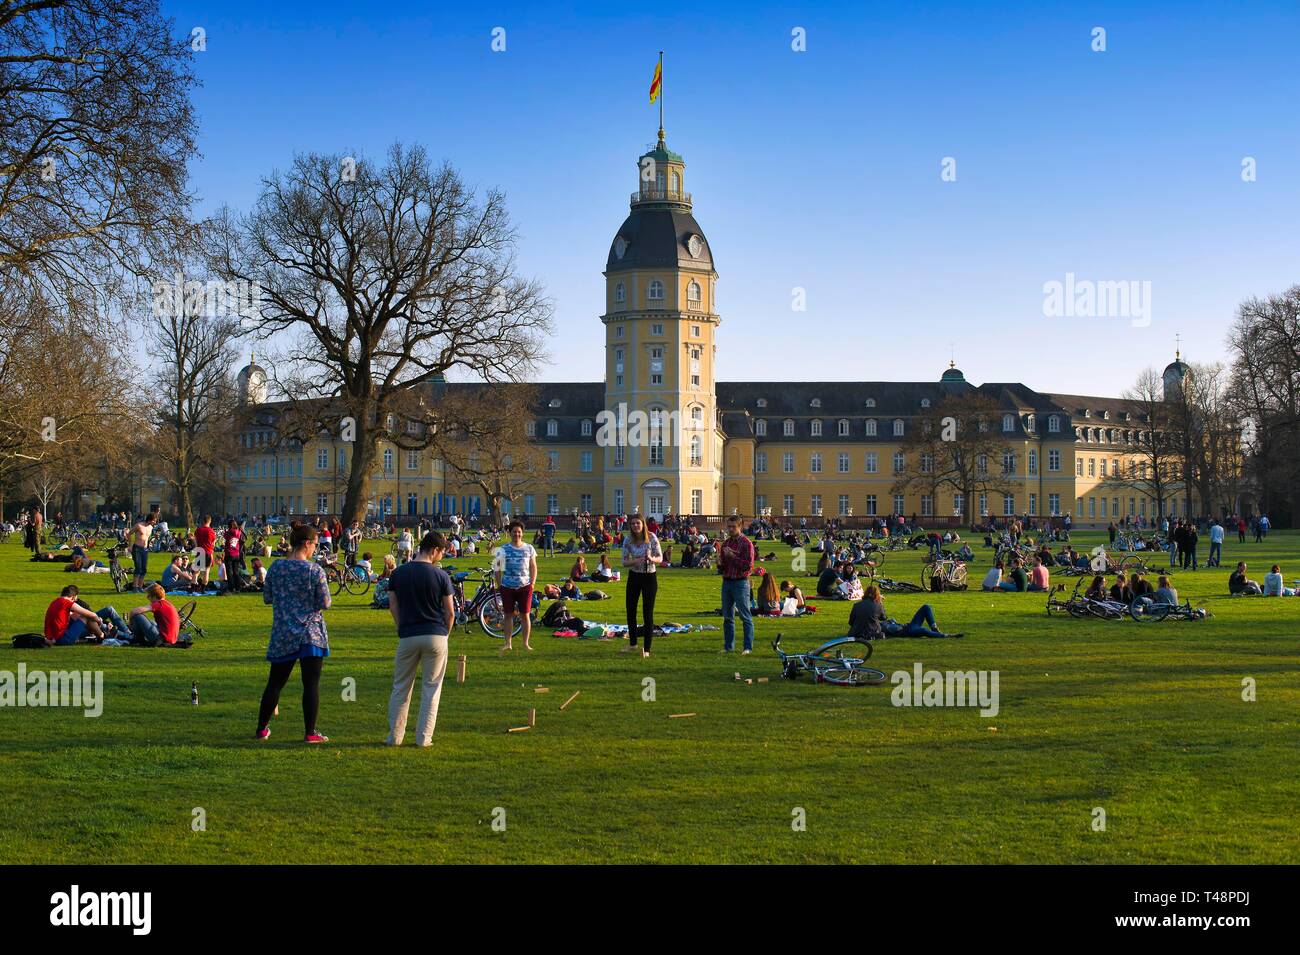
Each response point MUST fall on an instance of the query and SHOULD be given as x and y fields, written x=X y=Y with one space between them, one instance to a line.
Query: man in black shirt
x=420 y=600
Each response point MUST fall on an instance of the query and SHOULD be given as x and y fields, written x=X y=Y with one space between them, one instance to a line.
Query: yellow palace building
x=788 y=448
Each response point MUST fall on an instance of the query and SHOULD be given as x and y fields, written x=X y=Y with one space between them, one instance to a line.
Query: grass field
x=1144 y=721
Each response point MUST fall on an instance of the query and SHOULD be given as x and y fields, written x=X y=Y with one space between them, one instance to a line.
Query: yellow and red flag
x=657 y=83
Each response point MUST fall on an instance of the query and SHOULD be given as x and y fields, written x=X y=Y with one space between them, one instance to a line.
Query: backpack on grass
x=28 y=641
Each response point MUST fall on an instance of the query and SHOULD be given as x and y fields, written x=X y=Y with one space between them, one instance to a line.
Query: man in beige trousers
x=420 y=600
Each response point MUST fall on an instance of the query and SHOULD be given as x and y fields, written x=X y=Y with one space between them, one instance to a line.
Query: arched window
x=925 y=402
x=693 y=294
x=677 y=182
x=620 y=293
x=655 y=292
x=760 y=428
x=842 y=428
x=1054 y=423
x=388 y=460
x=871 y=402
x=659 y=181
x=871 y=427
x=816 y=428
x=787 y=428
x=1030 y=423
x=697 y=451
x=898 y=427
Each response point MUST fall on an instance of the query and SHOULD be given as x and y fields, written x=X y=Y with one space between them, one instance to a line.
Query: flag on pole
x=657 y=82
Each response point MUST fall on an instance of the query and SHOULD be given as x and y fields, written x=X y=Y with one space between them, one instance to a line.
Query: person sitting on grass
x=828 y=581
x=163 y=627
x=579 y=570
x=603 y=573
x=1166 y=593
x=993 y=579
x=1039 y=578
x=176 y=577
x=1120 y=591
x=768 y=599
x=257 y=579
x=363 y=566
x=67 y=619
x=789 y=590
x=1239 y=583
x=1017 y=580
x=1140 y=586
x=390 y=565
x=868 y=620
x=1274 y=586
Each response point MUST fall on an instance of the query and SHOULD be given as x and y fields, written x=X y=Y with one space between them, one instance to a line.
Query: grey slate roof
x=656 y=238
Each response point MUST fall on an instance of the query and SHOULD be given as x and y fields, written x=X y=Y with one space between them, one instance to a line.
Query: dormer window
x=925 y=402
x=554 y=403
x=1054 y=423
x=586 y=427
x=1008 y=422
x=760 y=428
x=842 y=427
x=1030 y=423
x=898 y=427
x=815 y=403
x=787 y=428
x=761 y=403
x=871 y=402
x=552 y=428
x=1087 y=413
x=871 y=427
x=816 y=428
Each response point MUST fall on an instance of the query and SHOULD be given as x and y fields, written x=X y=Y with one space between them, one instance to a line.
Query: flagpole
x=661 y=97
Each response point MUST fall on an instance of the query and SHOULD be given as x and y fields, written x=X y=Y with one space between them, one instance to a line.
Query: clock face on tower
x=620 y=246
x=696 y=246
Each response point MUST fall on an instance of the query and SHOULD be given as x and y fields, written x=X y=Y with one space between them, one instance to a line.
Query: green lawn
x=1144 y=721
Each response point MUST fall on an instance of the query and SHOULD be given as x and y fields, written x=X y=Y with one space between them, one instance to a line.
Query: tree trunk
x=364 y=450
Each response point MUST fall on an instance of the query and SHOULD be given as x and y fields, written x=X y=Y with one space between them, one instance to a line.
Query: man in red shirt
x=66 y=621
x=205 y=539
x=736 y=561
x=165 y=627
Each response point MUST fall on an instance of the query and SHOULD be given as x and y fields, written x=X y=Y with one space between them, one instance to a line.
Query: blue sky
x=821 y=169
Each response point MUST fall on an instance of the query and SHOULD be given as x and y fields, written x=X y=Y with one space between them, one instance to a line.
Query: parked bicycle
x=116 y=572
x=840 y=662
x=950 y=570
x=484 y=606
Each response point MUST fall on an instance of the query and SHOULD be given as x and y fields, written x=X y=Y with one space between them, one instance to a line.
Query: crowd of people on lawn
x=632 y=549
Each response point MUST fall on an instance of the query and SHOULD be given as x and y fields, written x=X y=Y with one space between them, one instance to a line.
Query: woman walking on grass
x=642 y=557
x=298 y=592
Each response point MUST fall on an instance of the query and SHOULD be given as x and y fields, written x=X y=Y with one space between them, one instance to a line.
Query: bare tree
x=956 y=446
x=480 y=435
x=195 y=394
x=385 y=277
x=1158 y=466
x=96 y=130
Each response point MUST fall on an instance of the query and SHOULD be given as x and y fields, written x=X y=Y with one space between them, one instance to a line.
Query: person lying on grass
x=868 y=620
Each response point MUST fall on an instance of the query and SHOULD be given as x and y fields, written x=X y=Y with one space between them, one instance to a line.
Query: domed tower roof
x=952 y=373
x=660 y=231
x=1174 y=375
x=251 y=382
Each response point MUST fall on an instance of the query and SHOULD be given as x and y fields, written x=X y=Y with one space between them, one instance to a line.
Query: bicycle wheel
x=336 y=583
x=119 y=578
x=852 y=676
x=958 y=576
x=1145 y=610
x=355 y=583
x=927 y=572
x=1132 y=565
x=492 y=618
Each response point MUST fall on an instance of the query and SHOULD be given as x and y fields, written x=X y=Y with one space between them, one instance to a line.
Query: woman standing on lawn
x=642 y=557
x=297 y=591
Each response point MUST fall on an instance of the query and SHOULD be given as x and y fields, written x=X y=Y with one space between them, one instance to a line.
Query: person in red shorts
x=515 y=566
x=205 y=539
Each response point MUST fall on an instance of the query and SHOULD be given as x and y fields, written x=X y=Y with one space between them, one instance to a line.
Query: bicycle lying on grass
x=1079 y=604
x=829 y=664
x=1146 y=610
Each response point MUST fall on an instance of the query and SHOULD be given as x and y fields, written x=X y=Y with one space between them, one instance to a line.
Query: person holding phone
x=642 y=557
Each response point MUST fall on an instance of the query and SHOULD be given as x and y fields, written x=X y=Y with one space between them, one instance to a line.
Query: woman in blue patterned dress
x=297 y=591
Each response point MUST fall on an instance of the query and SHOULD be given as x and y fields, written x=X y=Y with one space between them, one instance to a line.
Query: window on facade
x=844 y=462
x=760 y=428
x=927 y=505
x=787 y=462
x=620 y=293
x=586 y=462
x=322 y=459
x=760 y=462
x=552 y=428
x=871 y=427
x=1008 y=462
x=787 y=428
x=871 y=504
x=412 y=460
x=697 y=451
x=530 y=428
x=982 y=464
x=1078 y=467
x=787 y=504
x=655 y=293
x=898 y=427
x=873 y=462
x=693 y=294
x=388 y=461
x=1033 y=462
x=899 y=504
x=586 y=427
x=1053 y=460
x=552 y=460
x=1008 y=504
x=900 y=462
x=842 y=427
x=1008 y=422
x=619 y=455
x=816 y=463
x=927 y=463
x=816 y=428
